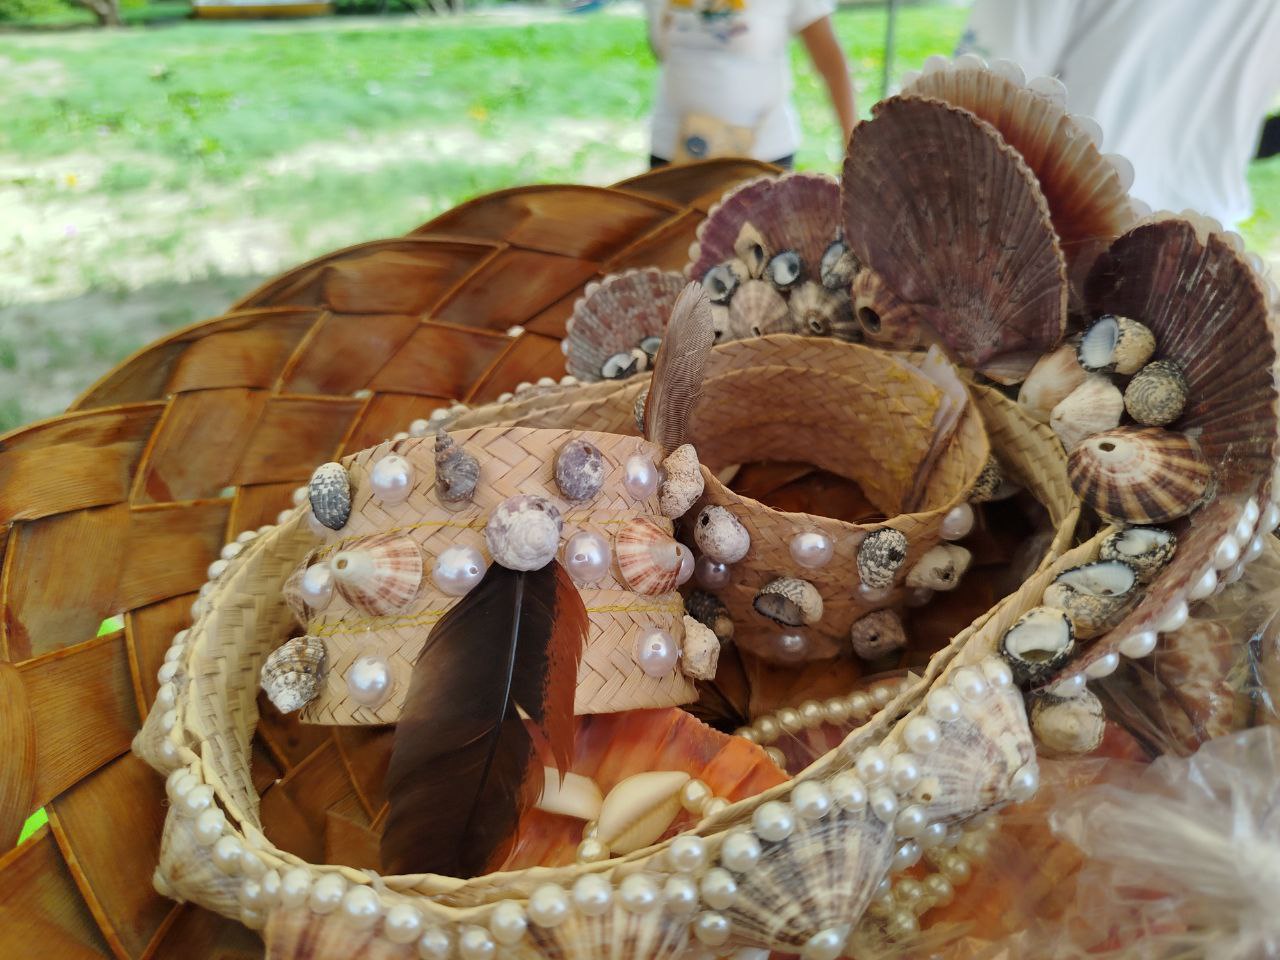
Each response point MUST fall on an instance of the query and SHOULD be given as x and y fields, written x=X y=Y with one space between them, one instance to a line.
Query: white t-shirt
x=728 y=59
x=1179 y=87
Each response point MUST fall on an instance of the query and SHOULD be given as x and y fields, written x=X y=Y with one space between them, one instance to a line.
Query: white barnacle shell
x=579 y=470
x=700 y=650
x=940 y=568
x=789 y=601
x=880 y=555
x=877 y=634
x=329 y=491
x=684 y=483
x=720 y=535
x=292 y=673
x=1068 y=726
x=523 y=533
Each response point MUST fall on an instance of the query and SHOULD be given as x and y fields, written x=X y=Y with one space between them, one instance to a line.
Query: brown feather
x=677 y=369
x=463 y=766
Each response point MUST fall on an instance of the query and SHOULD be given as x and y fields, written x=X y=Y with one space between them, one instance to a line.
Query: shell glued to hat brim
x=615 y=315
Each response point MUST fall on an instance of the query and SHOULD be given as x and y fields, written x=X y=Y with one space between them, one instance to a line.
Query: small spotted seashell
x=619 y=366
x=457 y=472
x=1092 y=407
x=710 y=611
x=1145 y=549
x=1157 y=395
x=1070 y=726
x=523 y=533
x=1038 y=643
x=378 y=575
x=648 y=558
x=1116 y=344
x=784 y=269
x=637 y=409
x=579 y=470
x=789 y=601
x=838 y=267
x=292 y=673
x=1139 y=475
x=1094 y=595
x=989 y=482
x=723 y=279
x=940 y=568
x=684 y=483
x=720 y=535
x=880 y=555
x=329 y=491
x=877 y=634
x=700 y=652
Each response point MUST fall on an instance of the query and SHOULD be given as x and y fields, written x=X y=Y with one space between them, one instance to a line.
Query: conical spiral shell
x=378 y=575
x=293 y=672
x=615 y=315
x=457 y=471
x=1139 y=475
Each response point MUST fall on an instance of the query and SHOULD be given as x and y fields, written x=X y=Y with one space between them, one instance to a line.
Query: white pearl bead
x=419 y=427
x=974 y=846
x=226 y=855
x=777 y=756
x=680 y=896
x=231 y=550
x=911 y=821
x=253 y=919
x=882 y=693
x=592 y=850
x=179 y=783
x=317 y=586
x=773 y=821
x=1139 y=644
x=909 y=892
x=166 y=696
x=209 y=826
x=1175 y=619
x=825 y=944
x=218 y=568
x=1204 y=585
x=168 y=753
x=360 y=907
x=957 y=523
x=943 y=705
x=922 y=734
x=295 y=887
x=711 y=574
x=849 y=791
x=694 y=795
x=508 y=923
x=656 y=652
x=789 y=720
x=1226 y=553
x=812 y=714
x=933 y=836
x=476 y=944
x=640 y=477
x=391 y=479
x=1025 y=783
x=904 y=772
x=403 y=923
x=246 y=536
x=812 y=550
x=714 y=807
x=686 y=565
x=435 y=944
x=458 y=569
x=938 y=888
x=969 y=683
x=592 y=895
x=811 y=800
x=768 y=730
x=719 y=889
x=1270 y=518
x=791 y=646
x=687 y=853
x=902 y=924
x=955 y=868
x=369 y=681
x=198 y=798
x=711 y=929
x=1242 y=532
x=871 y=765
x=1255 y=548
x=1251 y=514
x=299 y=496
x=168 y=672
x=637 y=894
x=1068 y=687
x=251 y=864
x=327 y=893
x=1104 y=666
x=588 y=557
x=860 y=705
x=740 y=851
x=548 y=905
x=997 y=673
x=884 y=804
x=906 y=856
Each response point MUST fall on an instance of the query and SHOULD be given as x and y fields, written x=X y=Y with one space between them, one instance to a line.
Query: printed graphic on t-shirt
x=722 y=20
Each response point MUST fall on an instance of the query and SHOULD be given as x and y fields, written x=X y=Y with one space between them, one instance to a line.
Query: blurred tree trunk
x=107 y=11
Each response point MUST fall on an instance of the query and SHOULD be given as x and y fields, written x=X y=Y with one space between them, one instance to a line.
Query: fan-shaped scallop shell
x=819 y=312
x=615 y=315
x=293 y=672
x=757 y=309
x=795 y=211
x=378 y=575
x=937 y=234
x=1139 y=475
x=1145 y=549
x=329 y=491
x=648 y=557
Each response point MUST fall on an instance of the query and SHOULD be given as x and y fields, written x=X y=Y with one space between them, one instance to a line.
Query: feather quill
x=464 y=766
x=678 y=369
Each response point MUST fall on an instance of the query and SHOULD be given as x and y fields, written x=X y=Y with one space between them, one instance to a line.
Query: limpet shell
x=1070 y=726
x=684 y=483
x=1038 y=643
x=293 y=672
x=329 y=491
x=940 y=568
x=378 y=575
x=1157 y=395
x=639 y=809
x=877 y=634
x=523 y=533
x=1145 y=549
x=819 y=312
x=1092 y=407
x=579 y=470
x=720 y=535
x=457 y=471
x=648 y=558
x=789 y=601
x=757 y=309
x=700 y=651
x=880 y=555
x=1139 y=475
x=710 y=611
x=1116 y=344
x=1094 y=595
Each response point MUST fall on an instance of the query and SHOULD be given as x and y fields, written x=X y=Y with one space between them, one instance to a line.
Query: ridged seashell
x=994 y=305
x=1139 y=475
x=1068 y=726
x=720 y=322
x=723 y=279
x=570 y=795
x=940 y=568
x=1094 y=406
x=710 y=611
x=639 y=810
x=457 y=472
x=1051 y=381
x=378 y=575
x=1157 y=395
x=700 y=651
x=839 y=267
x=877 y=634
x=615 y=316
x=757 y=309
x=819 y=312
x=720 y=535
x=292 y=673
x=1094 y=595
x=329 y=491
x=1145 y=549
x=648 y=558
x=1116 y=344
x=783 y=269
x=789 y=601
x=579 y=470
x=989 y=482
x=882 y=316
x=684 y=483
x=523 y=532
x=637 y=409
x=880 y=555
x=1038 y=643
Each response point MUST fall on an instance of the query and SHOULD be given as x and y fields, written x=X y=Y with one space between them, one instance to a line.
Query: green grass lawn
x=173 y=154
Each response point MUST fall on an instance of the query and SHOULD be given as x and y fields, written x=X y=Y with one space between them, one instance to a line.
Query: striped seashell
x=648 y=558
x=379 y=575
x=1157 y=395
x=757 y=309
x=819 y=312
x=1139 y=475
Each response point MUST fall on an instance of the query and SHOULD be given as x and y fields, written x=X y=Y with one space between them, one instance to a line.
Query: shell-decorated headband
x=977 y=332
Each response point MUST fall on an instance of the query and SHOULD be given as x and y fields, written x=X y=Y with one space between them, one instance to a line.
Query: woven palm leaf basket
x=714 y=564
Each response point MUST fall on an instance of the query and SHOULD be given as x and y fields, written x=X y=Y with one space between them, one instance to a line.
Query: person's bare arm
x=824 y=50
